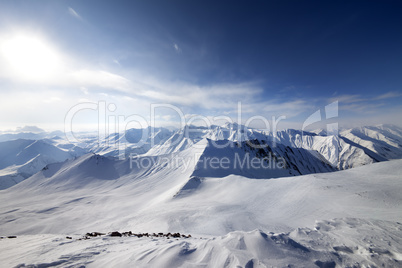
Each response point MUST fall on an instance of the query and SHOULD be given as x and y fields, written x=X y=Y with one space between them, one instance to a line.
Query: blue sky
x=286 y=58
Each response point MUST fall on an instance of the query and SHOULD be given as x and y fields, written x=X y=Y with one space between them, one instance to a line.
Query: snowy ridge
x=19 y=159
x=352 y=148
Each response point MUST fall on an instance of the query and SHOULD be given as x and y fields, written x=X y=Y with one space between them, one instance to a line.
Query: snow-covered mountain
x=19 y=159
x=248 y=198
x=152 y=187
x=292 y=215
x=29 y=135
x=256 y=159
x=132 y=141
x=351 y=148
x=303 y=152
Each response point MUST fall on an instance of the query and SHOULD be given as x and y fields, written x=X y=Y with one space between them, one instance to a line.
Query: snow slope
x=346 y=242
x=257 y=159
x=95 y=192
x=231 y=219
x=20 y=159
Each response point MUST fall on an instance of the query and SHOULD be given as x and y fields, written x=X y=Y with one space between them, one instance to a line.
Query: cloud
x=289 y=108
x=51 y=99
x=84 y=90
x=76 y=80
x=99 y=78
x=33 y=129
x=177 y=48
x=348 y=98
x=388 y=95
x=74 y=13
x=364 y=105
x=218 y=96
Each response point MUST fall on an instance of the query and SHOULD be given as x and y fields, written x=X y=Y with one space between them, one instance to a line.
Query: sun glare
x=30 y=57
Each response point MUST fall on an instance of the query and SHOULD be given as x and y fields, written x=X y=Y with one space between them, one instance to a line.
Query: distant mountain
x=19 y=159
x=303 y=152
x=30 y=135
x=351 y=148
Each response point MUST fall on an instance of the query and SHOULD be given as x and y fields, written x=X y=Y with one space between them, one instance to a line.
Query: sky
x=85 y=63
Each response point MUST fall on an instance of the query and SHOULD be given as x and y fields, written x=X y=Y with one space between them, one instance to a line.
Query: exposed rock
x=116 y=234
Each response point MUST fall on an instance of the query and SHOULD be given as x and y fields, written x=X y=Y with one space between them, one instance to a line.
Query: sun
x=30 y=57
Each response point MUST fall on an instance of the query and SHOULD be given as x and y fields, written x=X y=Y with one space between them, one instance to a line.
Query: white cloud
x=348 y=98
x=74 y=13
x=99 y=78
x=84 y=90
x=388 y=95
x=33 y=129
x=76 y=80
x=51 y=99
x=289 y=108
x=360 y=104
x=177 y=48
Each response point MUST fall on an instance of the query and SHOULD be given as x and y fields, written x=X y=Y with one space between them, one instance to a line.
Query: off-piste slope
x=346 y=242
x=234 y=220
x=165 y=193
x=237 y=215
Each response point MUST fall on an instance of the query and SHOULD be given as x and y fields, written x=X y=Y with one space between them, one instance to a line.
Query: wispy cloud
x=389 y=95
x=289 y=108
x=176 y=48
x=74 y=13
x=348 y=98
x=367 y=104
x=100 y=78
x=218 y=96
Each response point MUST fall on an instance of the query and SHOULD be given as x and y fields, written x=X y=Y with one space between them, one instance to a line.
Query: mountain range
x=293 y=208
x=301 y=152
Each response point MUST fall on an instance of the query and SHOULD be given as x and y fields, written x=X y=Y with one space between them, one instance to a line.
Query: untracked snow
x=236 y=216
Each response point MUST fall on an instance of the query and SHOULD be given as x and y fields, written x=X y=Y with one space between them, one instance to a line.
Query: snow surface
x=347 y=242
x=96 y=193
x=238 y=217
x=19 y=159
